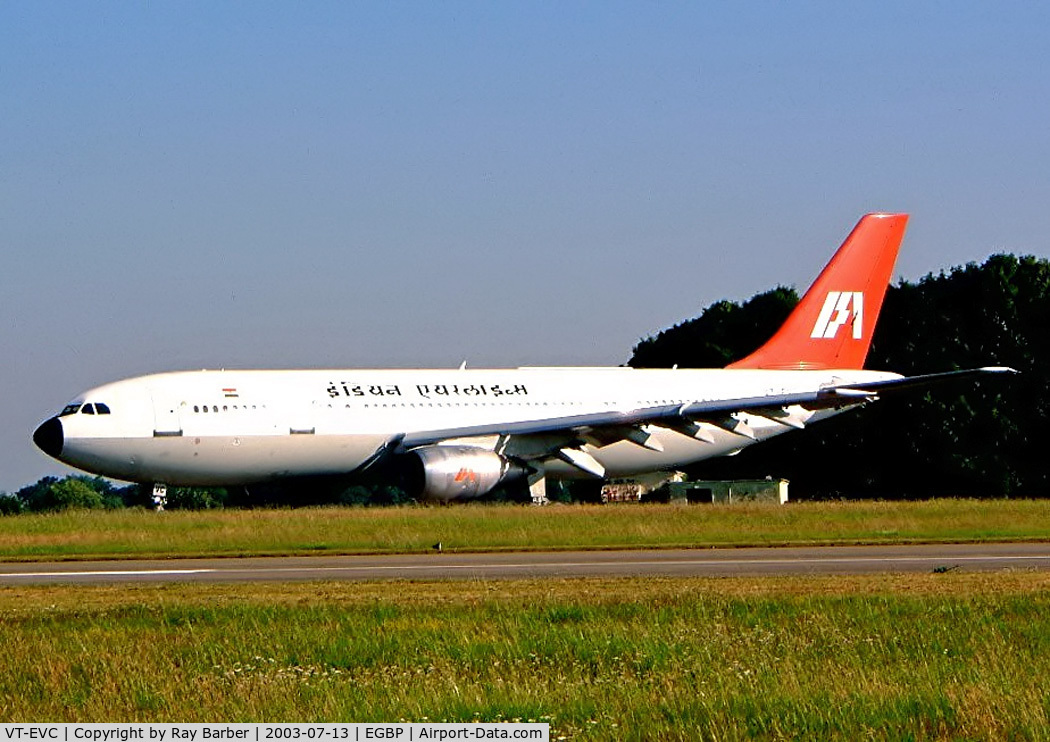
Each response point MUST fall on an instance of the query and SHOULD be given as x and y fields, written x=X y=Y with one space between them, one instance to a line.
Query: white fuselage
x=464 y=432
x=241 y=427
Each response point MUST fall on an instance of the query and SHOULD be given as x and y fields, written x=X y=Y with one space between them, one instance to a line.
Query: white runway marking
x=654 y=563
x=709 y=560
x=788 y=560
x=109 y=573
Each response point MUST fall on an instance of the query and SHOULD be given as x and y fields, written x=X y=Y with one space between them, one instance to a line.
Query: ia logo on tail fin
x=839 y=307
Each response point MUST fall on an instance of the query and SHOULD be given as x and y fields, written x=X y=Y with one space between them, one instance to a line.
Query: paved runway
x=671 y=563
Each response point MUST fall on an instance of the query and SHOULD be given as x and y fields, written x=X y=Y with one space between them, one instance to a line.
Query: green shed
x=772 y=491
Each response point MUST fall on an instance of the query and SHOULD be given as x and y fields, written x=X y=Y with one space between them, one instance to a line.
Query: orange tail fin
x=833 y=324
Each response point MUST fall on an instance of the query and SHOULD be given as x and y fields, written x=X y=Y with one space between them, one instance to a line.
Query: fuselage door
x=302 y=418
x=166 y=418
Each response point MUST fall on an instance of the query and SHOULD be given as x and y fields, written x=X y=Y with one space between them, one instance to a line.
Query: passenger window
x=102 y=408
x=87 y=410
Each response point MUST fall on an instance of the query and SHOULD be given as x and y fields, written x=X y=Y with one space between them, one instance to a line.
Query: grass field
x=885 y=657
x=916 y=657
x=138 y=533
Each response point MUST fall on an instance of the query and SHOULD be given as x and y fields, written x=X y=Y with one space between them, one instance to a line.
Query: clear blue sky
x=201 y=184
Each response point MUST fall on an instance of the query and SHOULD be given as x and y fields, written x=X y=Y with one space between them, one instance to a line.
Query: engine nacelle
x=458 y=472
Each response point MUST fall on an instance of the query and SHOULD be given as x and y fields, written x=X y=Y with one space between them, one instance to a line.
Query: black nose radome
x=49 y=437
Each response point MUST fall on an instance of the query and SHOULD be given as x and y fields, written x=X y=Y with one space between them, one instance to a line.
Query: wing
x=562 y=437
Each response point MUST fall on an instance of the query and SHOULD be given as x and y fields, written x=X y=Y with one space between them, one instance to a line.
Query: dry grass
x=919 y=657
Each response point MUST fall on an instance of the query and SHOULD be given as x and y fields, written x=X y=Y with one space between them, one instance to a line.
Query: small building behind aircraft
x=731 y=492
x=679 y=491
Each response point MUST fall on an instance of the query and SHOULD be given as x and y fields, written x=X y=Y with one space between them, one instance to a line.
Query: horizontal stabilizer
x=913 y=382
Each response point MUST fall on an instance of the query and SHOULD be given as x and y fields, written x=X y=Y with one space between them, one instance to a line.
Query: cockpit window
x=102 y=408
x=69 y=409
x=87 y=410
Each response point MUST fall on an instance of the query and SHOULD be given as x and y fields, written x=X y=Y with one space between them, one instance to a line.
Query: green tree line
x=983 y=439
x=53 y=494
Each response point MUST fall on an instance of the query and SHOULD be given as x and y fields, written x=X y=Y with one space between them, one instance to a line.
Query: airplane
x=456 y=434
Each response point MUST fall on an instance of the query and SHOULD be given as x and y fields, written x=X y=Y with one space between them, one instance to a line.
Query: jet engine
x=457 y=472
